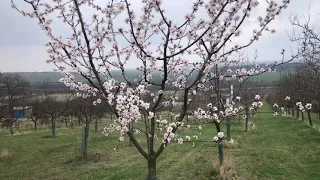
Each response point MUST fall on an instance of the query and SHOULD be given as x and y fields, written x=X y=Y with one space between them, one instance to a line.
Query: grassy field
x=35 y=77
x=57 y=96
x=278 y=148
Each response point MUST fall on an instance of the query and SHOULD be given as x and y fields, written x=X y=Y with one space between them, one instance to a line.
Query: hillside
x=35 y=77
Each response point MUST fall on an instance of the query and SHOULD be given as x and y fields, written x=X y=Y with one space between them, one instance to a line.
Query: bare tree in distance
x=14 y=88
x=38 y=111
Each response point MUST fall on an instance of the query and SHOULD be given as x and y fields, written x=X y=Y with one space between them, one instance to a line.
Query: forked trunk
x=152 y=169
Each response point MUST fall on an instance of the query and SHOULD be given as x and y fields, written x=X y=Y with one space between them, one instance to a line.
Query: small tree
x=38 y=111
x=86 y=111
x=55 y=109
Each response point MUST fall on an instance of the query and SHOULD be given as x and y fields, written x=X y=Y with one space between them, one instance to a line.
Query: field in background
x=278 y=148
x=35 y=77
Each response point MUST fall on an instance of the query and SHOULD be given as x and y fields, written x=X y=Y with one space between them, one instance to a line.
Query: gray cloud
x=22 y=40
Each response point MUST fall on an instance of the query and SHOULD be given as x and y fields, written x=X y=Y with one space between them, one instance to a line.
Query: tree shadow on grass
x=48 y=136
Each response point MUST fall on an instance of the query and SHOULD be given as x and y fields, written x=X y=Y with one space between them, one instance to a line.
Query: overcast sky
x=22 y=41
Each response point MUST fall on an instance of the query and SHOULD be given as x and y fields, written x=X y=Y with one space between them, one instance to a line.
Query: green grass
x=38 y=156
x=36 y=77
x=278 y=148
x=57 y=96
x=267 y=77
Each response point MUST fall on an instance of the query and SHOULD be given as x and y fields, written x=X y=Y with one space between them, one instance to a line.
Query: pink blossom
x=220 y=134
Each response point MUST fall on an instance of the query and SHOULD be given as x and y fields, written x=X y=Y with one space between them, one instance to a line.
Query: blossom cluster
x=299 y=106
x=218 y=137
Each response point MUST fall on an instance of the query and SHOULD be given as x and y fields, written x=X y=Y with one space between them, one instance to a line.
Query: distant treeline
x=36 y=79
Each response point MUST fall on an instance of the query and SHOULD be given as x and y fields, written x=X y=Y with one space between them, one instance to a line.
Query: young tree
x=86 y=111
x=183 y=52
x=55 y=109
x=38 y=111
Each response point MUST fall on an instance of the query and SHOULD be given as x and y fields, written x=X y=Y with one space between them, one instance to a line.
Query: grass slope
x=278 y=148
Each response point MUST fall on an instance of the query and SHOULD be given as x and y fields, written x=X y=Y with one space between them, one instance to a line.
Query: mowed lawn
x=278 y=148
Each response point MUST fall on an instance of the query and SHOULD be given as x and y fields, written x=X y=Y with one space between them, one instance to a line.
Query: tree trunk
x=220 y=148
x=302 y=115
x=84 y=142
x=309 y=117
x=289 y=111
x=297 y=114
x=35 y=125
x=71 y=123
x=228 y=129
x=66 y=122
x=247 y=121
x=218 y=127
x=152 y=169
x=53 y=128
x=292 y=112
x=96 y=125
x=131 y=130
x=11 y=129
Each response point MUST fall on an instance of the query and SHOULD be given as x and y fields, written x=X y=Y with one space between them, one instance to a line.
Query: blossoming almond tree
x=113 y=35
